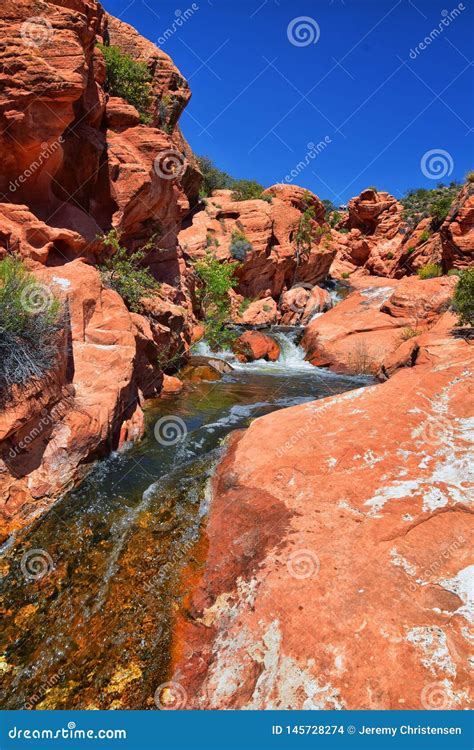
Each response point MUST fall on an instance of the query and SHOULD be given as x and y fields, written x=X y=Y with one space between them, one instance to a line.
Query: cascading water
x=96 y=627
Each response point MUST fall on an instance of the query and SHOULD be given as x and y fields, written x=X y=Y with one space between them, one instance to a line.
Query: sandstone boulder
x=338 y=559
x=253 y=345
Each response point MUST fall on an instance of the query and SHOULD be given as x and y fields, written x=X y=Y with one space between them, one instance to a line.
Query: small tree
x=306 y=232
x=128 y=79
x=463 y=301
x=217 y=280
x=125 y=273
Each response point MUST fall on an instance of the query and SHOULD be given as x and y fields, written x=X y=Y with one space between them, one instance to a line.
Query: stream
x=90 y=591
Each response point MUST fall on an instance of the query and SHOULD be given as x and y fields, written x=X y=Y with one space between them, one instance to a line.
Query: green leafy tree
x=128 y=79
x=463 y=301
x=217 y=280
x=307 y=231
x=124 y=272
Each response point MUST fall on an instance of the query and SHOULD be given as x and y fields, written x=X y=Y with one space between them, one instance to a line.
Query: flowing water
x=90 y=591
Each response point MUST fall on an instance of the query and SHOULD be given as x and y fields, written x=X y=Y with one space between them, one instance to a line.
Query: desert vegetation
x=31 y=318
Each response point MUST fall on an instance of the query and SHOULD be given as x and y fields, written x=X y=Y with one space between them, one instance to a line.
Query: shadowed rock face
x=73 y=167
x=353 y=593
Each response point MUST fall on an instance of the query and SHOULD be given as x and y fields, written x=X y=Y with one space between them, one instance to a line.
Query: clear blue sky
x=259 y=99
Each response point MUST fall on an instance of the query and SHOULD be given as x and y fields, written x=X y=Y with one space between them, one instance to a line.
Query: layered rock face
x=361 y=331
x=262 y=236
x=378 y=241
x=338 y=568
x=77 y=163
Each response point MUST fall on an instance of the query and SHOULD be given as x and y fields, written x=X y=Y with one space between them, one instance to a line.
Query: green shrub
x=421 y=203
x=267 y=198
x=31 y=318
x=213 y=178
x=440 y=210
x=470 y=177
x=128 y=79
x=211 y=241
x=245 y=190
x=217 y=280
x=463 y=300
x=454 y=272
x=410 y=250
x=244 y=305
x=345 y=275
x=430 y=271
x=390 y=256
x=334 y=218
x=125 y=273
x=409 y=333
x=239 y=246
x=424 y=236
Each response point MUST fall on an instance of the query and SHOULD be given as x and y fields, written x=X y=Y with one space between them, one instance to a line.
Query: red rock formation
x=338 y=561
x=261 y=313
x=270 y=260
x=74 y=165
x=457 y=232
x=379 y=242
x=362 y=330
x=88 y=407
x=253 y=345
x=299 y=304
x=374 y=241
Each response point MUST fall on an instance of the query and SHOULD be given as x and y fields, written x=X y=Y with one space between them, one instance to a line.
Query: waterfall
x=292 y=356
